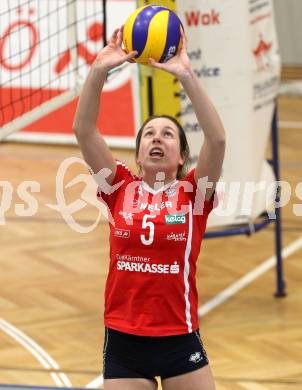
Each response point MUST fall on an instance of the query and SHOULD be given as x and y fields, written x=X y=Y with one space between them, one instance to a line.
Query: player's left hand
x=179 y=65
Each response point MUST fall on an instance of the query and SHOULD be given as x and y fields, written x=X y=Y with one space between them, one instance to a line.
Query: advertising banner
x=266 y=80
x=233 y=49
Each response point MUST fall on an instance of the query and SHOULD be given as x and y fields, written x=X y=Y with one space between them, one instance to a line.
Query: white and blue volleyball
x=153 y=31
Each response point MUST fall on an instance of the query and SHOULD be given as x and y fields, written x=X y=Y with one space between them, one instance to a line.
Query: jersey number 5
x=150 y=225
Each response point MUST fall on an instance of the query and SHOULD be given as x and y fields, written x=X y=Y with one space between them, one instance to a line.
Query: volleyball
x=153 y=31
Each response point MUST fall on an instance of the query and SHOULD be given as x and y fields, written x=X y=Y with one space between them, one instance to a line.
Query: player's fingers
x=113 y=36
x=119 y=39
x=155 y=64
x=130 y=56
x=184 y=39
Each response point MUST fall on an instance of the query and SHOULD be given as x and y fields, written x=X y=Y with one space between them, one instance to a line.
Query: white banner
x=266 y=79
x=233 y=49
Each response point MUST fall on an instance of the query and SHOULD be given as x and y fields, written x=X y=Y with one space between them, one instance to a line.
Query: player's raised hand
x=113 y=54
x=179 y=65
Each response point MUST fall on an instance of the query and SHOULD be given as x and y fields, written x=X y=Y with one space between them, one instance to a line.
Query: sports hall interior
x=52 y=278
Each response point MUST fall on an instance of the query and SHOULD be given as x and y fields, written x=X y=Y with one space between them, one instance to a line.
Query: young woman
x=151 y=322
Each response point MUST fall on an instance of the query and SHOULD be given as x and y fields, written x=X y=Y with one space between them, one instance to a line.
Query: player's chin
x=155 y=163
x=157 y=160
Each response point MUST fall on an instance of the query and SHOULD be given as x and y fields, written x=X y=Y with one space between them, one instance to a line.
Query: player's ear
x=138 y=163
x=182 y=160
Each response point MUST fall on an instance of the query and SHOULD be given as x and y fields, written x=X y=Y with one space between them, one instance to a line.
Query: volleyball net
x=46 y=50
x=40 y=65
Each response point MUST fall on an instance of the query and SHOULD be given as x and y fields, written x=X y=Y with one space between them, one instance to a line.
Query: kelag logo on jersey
x=175 y=219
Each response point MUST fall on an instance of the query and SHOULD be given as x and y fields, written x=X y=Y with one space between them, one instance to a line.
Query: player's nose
x=156 y=138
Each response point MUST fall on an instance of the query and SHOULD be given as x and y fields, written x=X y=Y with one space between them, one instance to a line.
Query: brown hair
x=184 y=146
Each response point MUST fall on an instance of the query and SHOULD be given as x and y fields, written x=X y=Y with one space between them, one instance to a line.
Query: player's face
x=160 y=146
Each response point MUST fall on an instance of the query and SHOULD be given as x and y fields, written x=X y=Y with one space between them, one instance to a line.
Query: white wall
x=288 y=15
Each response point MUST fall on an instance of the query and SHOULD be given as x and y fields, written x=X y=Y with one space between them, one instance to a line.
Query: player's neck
x=156 y=183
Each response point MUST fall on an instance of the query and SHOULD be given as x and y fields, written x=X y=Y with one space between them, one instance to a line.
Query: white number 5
x=149 y=225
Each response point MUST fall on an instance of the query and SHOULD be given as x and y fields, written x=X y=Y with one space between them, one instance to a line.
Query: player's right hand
x=113 y=54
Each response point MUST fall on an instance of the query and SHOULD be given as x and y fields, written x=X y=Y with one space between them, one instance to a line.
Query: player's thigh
x=201 y=379
x=130 y=384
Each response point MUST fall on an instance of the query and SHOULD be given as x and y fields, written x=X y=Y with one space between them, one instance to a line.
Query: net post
x=104 y=3
x=280 y=283
x=150 y=96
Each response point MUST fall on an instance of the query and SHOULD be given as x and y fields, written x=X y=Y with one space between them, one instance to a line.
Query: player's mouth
x=156 y=152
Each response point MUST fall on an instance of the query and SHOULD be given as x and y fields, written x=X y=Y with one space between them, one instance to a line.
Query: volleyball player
x=151 y=321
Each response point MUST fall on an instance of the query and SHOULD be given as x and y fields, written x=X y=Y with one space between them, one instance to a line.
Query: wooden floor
x=52 y=281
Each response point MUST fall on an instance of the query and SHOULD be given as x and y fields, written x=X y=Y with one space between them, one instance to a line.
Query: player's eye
x=169 y=133
x=149 y=132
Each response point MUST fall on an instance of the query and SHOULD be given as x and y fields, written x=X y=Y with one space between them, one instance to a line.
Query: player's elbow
x=217 y=144
x=83 y=130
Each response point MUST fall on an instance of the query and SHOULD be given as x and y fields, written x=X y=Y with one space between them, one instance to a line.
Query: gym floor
x=52 y=281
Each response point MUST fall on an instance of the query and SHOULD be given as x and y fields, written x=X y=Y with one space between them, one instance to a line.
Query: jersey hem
x=140 y=332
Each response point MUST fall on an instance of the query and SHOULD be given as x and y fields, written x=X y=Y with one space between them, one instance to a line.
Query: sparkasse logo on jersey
x=175 y=219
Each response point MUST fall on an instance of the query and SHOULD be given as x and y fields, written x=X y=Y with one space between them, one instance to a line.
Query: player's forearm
x=205 y=111
x=89 y=102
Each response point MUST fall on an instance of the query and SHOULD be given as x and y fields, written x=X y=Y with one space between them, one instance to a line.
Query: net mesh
x=45 y=46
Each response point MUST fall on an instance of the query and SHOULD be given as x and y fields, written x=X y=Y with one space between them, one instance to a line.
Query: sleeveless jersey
x=155 y=239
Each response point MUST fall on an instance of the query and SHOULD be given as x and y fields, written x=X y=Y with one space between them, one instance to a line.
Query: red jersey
x=155 y=239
